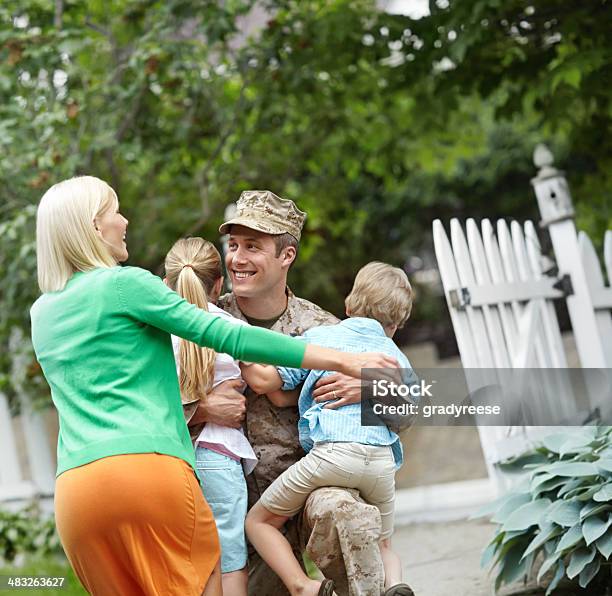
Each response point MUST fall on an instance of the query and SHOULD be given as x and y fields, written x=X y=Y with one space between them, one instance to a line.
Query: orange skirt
x=136 y=525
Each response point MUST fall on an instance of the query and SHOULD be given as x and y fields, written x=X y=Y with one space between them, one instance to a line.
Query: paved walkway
x=443 y=559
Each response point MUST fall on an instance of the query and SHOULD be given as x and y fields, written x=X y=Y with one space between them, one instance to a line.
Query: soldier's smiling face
x=252 y=264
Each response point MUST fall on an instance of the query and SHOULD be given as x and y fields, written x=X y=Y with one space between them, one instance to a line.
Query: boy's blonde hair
x=193 y=265
x=381 y=292
x=66 y=238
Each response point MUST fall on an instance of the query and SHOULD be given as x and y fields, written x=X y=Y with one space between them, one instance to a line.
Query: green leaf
x=572 y=469
x=510 y=506
x=554 y=442
x=513 y=566
x=593 y=509
x=589 y=572
x=604 y=545
x=579 y=560
x=564 y=513
x=527 y=515
x=604 y=493
x=549 y=485
x=500 y=502
x=507 y=536
x=569 y=75
x=572 y=537
x=539 y=479
x=588 y=494
x=576 y=443
x=488 y=554
x=594 y=527
x=605 y=464
x=557 y=577
x=547 y=532
x=571 y=485
x=548 y=564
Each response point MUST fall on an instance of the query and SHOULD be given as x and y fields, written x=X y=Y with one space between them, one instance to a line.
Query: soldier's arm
x=224 y=405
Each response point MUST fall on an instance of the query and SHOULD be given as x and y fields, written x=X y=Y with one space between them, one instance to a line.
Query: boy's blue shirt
x=318 y=424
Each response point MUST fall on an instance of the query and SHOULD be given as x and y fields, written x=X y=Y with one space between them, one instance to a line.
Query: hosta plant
x=557 y=521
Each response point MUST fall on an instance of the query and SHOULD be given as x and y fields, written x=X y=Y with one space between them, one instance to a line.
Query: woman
x=128 y=507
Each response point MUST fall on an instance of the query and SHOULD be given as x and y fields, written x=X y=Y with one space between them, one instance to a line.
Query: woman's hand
x=341 y=389
x=353 y=364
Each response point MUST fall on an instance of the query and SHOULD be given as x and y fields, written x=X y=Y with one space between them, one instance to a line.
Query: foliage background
x=373 y=123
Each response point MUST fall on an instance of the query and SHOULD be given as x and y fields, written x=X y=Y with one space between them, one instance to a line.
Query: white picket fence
x=500 y=300
x=501 y=308
x=499 y=290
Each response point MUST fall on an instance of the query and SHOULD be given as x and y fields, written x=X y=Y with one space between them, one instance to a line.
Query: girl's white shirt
x=226 y=368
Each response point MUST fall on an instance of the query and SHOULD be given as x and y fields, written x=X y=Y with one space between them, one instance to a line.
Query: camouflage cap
x=264 y=211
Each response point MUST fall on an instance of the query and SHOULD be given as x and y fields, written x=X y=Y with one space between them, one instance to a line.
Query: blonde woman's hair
x=193 y=265
x=381 y=292
x=66 y=238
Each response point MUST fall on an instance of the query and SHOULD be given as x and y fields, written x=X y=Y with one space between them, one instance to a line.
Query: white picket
x=595 y=279
x=10 y=470
x=491 y=315
x=515 y=267
x=555 y=394
x=466 y=279
x=608 y=255
x=465 y=339
x=40 y=458
x=550 y=323
x=530 y=350
x=450 y=281
x=506 y=315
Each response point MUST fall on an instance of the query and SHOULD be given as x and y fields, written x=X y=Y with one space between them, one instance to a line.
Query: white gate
x=500 y=300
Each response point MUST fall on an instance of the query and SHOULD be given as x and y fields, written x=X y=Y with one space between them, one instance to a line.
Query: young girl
x=193 y=270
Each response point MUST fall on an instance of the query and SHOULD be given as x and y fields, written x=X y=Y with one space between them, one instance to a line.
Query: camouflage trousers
x=340 y=533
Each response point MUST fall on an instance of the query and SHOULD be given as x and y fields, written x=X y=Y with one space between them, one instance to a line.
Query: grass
x=49 y=566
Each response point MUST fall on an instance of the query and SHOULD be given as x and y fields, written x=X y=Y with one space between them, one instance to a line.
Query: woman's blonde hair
x=66 y=238
x=381 y=292
x=193 y=266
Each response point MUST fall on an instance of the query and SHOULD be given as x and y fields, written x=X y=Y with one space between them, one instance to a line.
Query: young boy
x=340 y=451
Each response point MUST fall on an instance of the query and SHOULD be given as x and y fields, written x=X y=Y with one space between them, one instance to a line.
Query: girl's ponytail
x=193 y=266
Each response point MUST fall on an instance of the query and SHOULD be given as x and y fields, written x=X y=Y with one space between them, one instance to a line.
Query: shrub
x=560 y=513
x=26 y=532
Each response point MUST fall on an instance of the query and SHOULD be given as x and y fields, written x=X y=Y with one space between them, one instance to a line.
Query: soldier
x=338 y=530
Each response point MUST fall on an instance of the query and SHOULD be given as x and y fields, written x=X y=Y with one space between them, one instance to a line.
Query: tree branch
x=59 y=12
x=129 y=118
x=98 y=28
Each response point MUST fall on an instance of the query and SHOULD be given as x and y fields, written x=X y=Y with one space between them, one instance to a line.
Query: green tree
x=357 y=115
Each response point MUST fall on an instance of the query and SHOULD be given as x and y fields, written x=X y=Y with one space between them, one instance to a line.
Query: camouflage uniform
x=338 y=530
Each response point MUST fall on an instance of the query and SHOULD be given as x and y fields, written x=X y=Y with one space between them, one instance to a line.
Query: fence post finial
x=551 y=189
x=555 y=203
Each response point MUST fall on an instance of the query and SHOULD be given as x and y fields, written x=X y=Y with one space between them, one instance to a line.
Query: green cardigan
x=104 y=345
